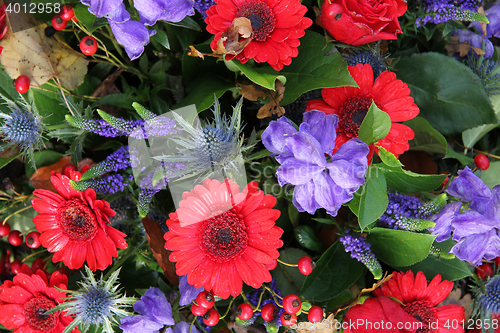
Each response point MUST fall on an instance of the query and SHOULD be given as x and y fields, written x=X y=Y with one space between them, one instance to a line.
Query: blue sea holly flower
x=151 y=11
x=320 y=182
x=133 y=35
x=188 y=292
x=490 y=301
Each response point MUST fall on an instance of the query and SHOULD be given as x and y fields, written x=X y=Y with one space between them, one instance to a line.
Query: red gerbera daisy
x=277 y=26
x=74 y=225
x=231 y=240
x=351 y=105
x=25 y=299
x=420 y=301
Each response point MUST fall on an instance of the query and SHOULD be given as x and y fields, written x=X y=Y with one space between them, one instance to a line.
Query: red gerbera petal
x=74 y=226
x=229 y=246
x=351 y=105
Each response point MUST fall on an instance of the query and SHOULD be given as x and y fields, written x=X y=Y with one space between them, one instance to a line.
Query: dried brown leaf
x=154 y=234
x=251 y=91
x=273 y=107
x=195 y=53
x=236 y=37
x=327 y=325
x=108 y=86
x=480 y=10
x=29 y=52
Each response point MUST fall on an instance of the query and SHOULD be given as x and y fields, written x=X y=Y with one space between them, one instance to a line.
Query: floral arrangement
x=197 y=166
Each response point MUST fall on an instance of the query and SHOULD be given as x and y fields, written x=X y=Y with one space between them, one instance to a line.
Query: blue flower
x=188 y=292
x=360 y=250
x=151 y=11
x=202 y=6
x=108 y=8
x=490 y=301
x=183 y=327
x=132 y=35
x=476 y=229
x=319 y=182
x=475 y=40
x=493 y=27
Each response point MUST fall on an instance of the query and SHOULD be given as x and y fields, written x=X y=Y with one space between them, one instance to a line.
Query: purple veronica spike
x=202 y=6
x=188 y=292
x=319 y=183
x=361 y=251
x=151 y=11
x=117 y=160
x=133 y=35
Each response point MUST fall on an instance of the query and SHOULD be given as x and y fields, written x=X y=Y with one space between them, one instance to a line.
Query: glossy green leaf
x=464 y=160
x=85 y=17
x=289 y=279
x=409 y=182
x=162 y=38
x=306 y=237
x=375 y=126
x=399 y=248
x=473 y=135
x=373 y=200
x=388 y=158
x=450 y=96
x=335 y=272
x=263 y=76
x=491 y=176
x=324 y=221
x=49 y=105
x=450 y=269
x=186 y=22
x=426 y=137
x=7 y=160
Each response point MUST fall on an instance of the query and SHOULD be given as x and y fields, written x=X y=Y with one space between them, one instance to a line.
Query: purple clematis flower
x=133 y=35
x=476 y=230
x=108 y=8
x=493 y=27
x=475 y=40
x=188 y=292
x=151 y=11
x=319 y=182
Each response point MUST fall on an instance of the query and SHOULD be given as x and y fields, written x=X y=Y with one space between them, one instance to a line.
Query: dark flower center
x=223 y=237
x=34 y=311
x=352 y=114
x=423 y=312
x=77 y=220
x=261 y=17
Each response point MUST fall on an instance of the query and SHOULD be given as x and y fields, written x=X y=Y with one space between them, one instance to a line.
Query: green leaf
x=375 y=126
x=324 y=221
x=263 y=76
x=49 y=105
x=490 y=176
x=464 y=160
x=450 y=96
x=122 y=100
x=289 y=279
x=374 y=200
x=85 y=17
x=426 y=137
x=162 y=38
x=471 y=136
x=304 y=234
x=388 y=158
x=7 y=160
x=399 y=248
x=187 y=22
x=42 y=158
x=354 y=203
x=335 y=272
x=409 y=182
x=450 y=269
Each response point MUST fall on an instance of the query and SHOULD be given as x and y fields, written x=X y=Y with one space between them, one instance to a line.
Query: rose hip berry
x=198 y=310
x=291 y=303
x=272 y=266
x=497 y=262
x=211 y=318
x=67 y=13
x=306 y=265
x=315 y=314
x=15 y=238
x=484 y=271
x=288 y=319
x=482 y=161
x=4 y=229
x=61 y=271
x=269 y=312
x=15 y=266
x=58 y=23
x=244 y=311
x=67 y=167
x=205 y=299
x=38 y=264
x=22 y=84
x=88 y=45
x=32 y=239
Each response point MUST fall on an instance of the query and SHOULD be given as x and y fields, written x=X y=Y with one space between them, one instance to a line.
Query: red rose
x=359 y=22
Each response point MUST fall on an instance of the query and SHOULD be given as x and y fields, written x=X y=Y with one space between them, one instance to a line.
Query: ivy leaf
x=375 y=126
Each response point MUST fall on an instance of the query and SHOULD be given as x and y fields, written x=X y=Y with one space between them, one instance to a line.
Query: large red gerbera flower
x=277 y=26
x=74 y=225
x=224 y=236
x=351 y=105
x=25 y=299
x=420 y=301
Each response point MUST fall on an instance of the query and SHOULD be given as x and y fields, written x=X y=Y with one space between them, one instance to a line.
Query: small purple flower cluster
x=361 y=251
x=111 y=184
x=202 y=6
x=118 y=160
x=446 y=10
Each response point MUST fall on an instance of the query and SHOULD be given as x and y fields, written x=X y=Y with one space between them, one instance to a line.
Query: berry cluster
x=15 y=238
x=60 y=21
x=203 y=306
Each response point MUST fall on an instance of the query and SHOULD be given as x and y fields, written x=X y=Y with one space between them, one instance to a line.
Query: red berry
x=272 y=266
x=88 y=45
x=15 y=238
x=22 y=84
x=269 y=312
x=67 y=167
x=482 y=162
x=497 y=262
x=39 y=263
x=288 y=319
x=211 y=318
x=32 y=239
x=62 y=270
x=205 y=299
x=484 y=271
x=445 y=181
x=58 y=23
x=291 y=303
x=198 y=310
x=4 y=229
x=244 y=311
x=315 y=314
x=67 y=13
x=306 y=265
x=15 y=266
x=85 y=168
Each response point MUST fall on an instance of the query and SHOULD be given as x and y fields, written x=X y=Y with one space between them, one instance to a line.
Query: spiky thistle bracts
x=361 y=251
x=489 y=73
x=490 y=300
x=371 y=57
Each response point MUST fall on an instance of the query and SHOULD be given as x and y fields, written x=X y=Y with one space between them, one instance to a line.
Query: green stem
x=228 y=308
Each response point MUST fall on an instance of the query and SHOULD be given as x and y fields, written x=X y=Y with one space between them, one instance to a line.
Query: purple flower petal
x=478 y=246
x=151 y=11
x=349 y=164
x=493 y=28
x=155 y=306
x=296 y=172
x=475 y=40
x=306 y=148
x=322 y=127
x=119 y=15
x=133 y=35
x=134 y=324
x=183 y=327
x=303 y=198
x=444 y=220
x=471 y=222
x=188 y=292
x=102 y=8
x=329 y=195
x=468 y=187
x=276 y=134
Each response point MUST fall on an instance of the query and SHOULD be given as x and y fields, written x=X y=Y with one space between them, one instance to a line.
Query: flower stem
x=287 y=264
